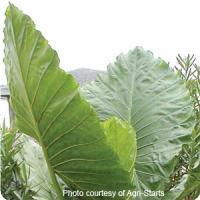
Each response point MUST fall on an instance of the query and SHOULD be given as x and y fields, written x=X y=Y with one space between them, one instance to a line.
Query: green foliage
x=83 y=152
x=14 y=175
x=35 y=166
x=185 y=183
x=119 y=138
x=48 y=108
x=145 y=92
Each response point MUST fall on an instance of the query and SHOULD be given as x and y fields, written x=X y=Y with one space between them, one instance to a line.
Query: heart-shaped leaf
x=145 y=92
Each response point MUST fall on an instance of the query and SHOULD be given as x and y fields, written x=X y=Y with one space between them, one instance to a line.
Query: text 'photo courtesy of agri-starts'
x=133 y=133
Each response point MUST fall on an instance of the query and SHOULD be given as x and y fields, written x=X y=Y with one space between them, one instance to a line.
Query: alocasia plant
x=145 y=92
x=48 y=107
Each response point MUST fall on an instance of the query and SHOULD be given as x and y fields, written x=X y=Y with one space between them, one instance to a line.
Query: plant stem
x=52 y=175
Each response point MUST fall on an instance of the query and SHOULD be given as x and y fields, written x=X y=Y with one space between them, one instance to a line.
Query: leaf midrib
x=51 y=170
x=131 y=93
x=21 y=75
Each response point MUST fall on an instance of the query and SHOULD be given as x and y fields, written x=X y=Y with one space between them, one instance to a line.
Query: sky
x=91 y=33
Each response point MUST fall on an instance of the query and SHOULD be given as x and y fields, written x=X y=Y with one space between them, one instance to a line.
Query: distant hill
x=82 y=76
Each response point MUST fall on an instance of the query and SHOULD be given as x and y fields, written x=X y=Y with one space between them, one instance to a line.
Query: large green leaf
x=49 y=108
x=145 y=92
x=121 y=136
